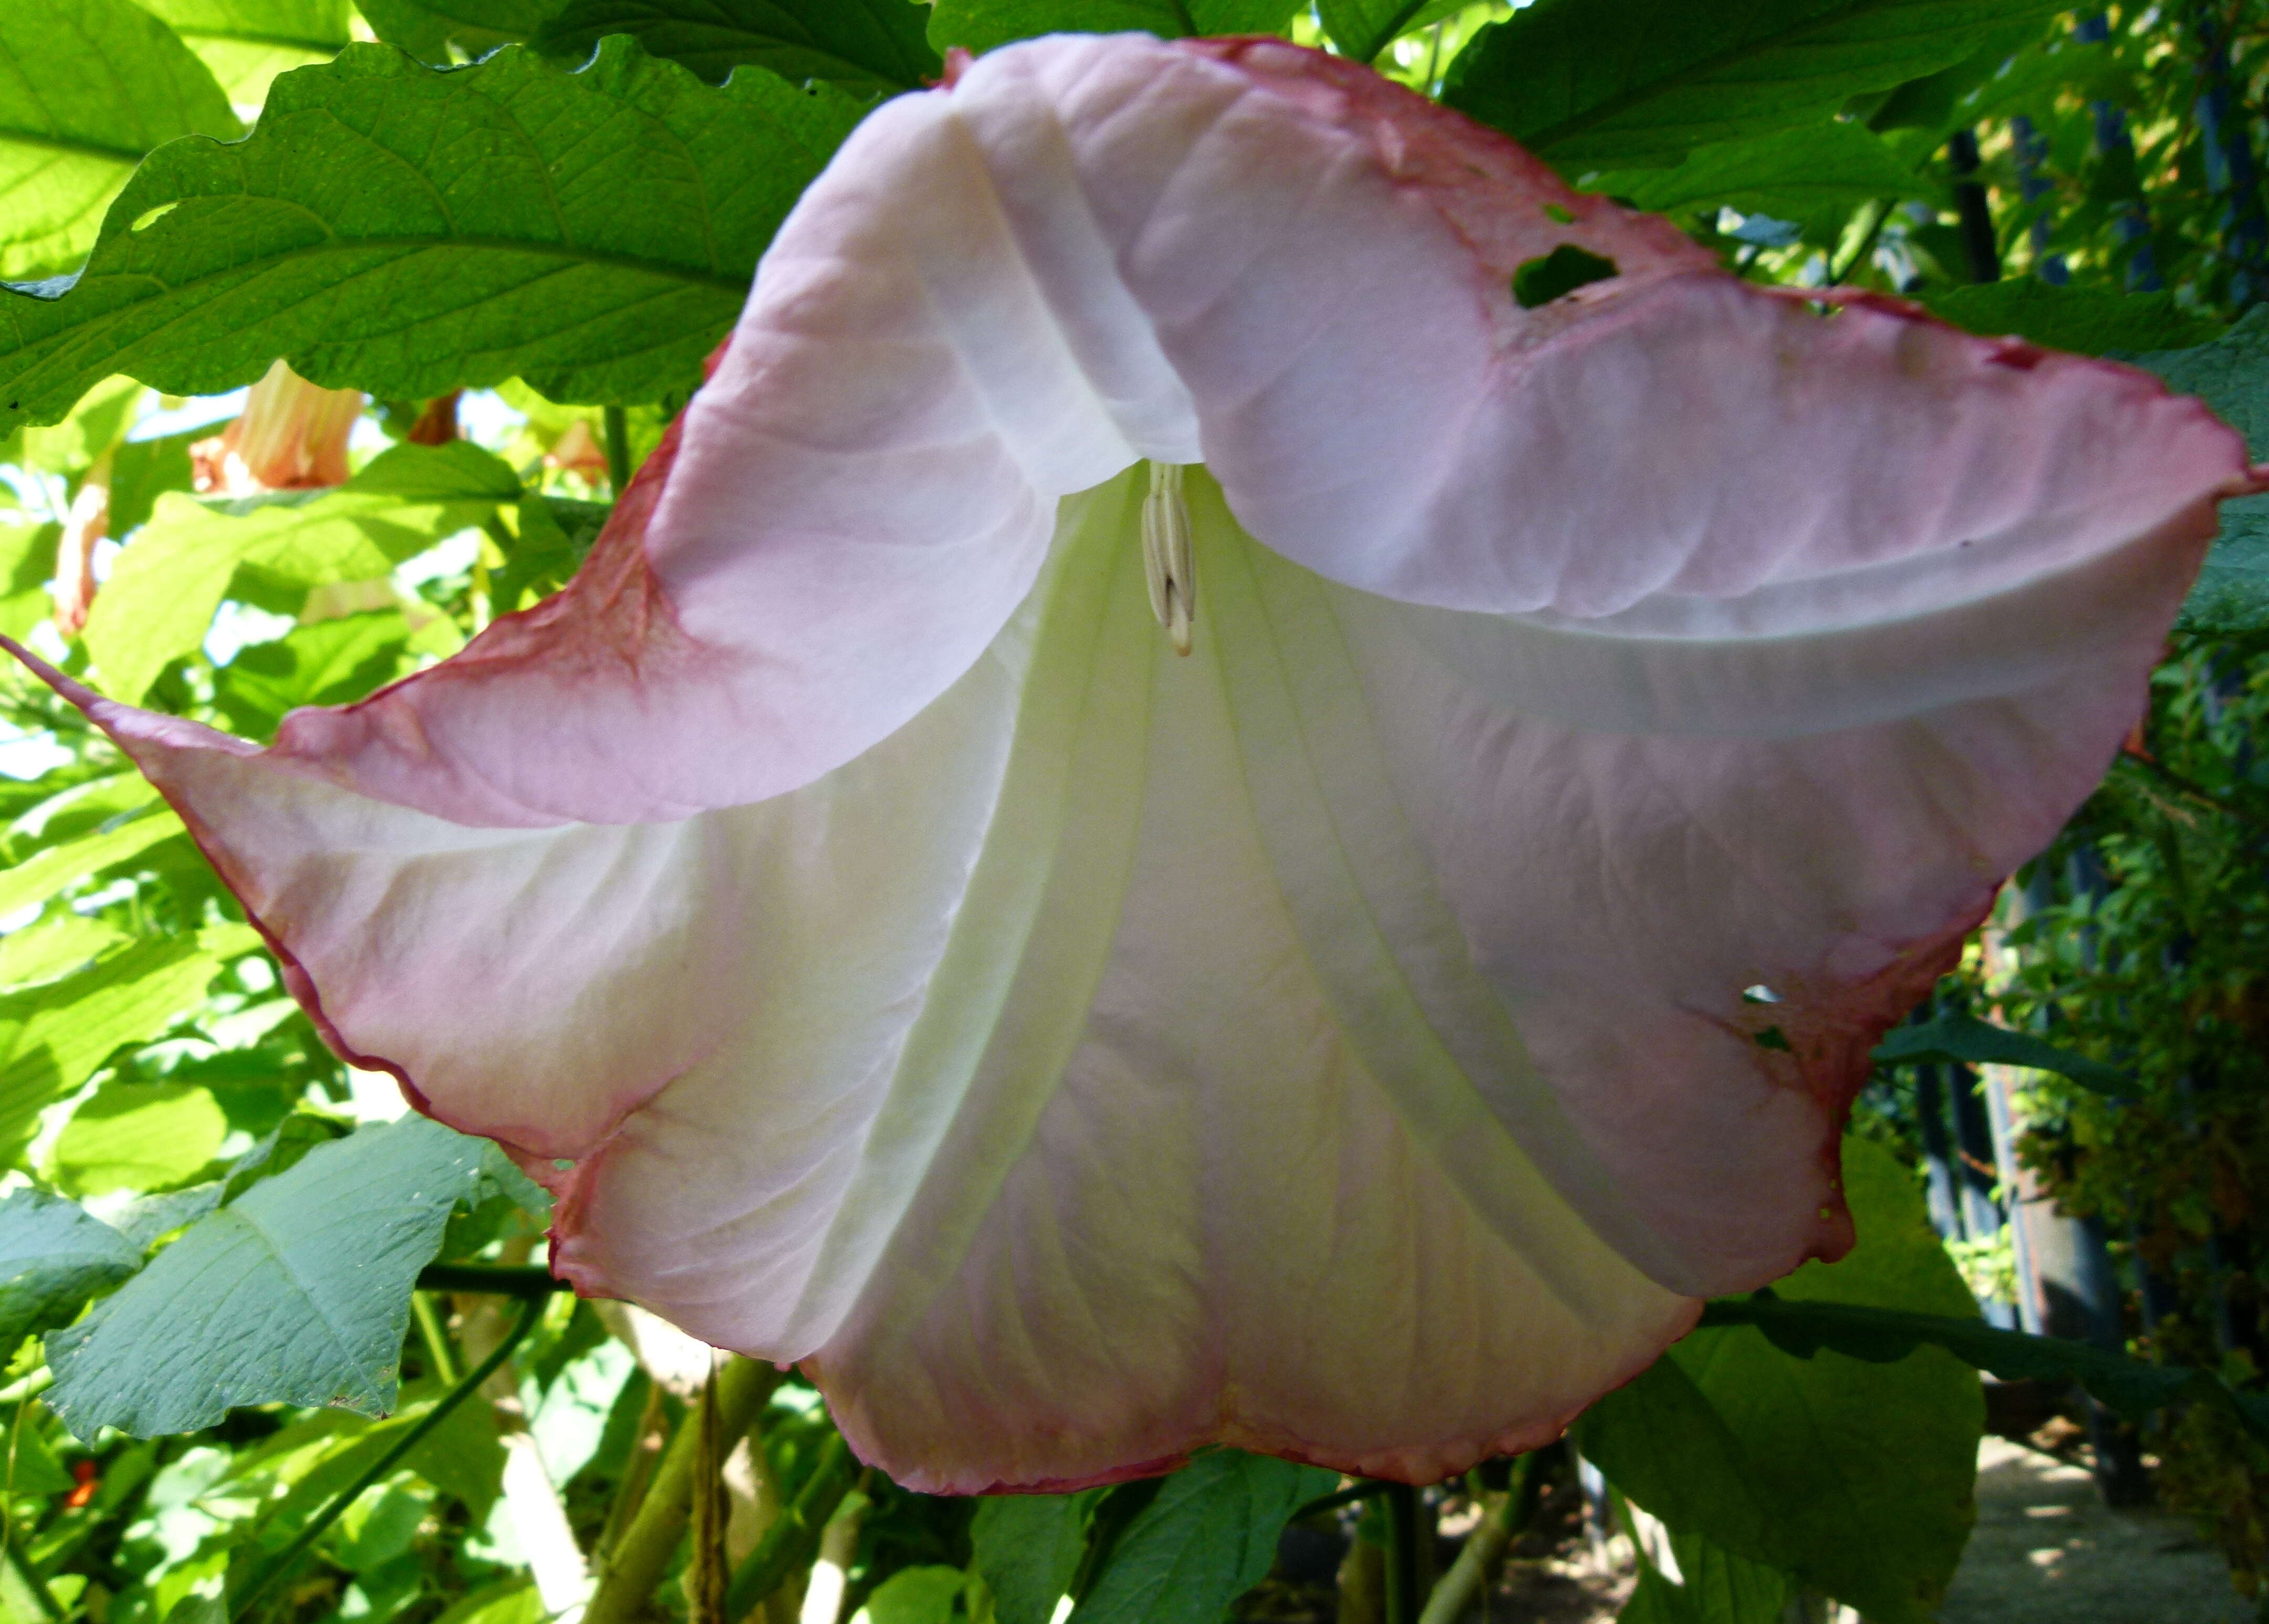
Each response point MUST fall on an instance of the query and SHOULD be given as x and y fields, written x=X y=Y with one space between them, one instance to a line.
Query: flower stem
x=637 y=1562
x=617 y=425
x=789 y=1543
x=531 y=1310
x=1404 y=1587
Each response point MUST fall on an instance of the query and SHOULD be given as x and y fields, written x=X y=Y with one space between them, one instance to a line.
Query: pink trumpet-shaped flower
x=291 y=436
x=1333 y=1042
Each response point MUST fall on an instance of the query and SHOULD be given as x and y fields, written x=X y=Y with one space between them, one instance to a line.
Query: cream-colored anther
x=1169 y=564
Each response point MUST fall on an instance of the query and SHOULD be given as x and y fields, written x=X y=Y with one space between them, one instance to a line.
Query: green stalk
x=531 y=1310
x=1404 y=1586
x=789 y=1543
x=436 y=1339
x=636 y=1564
x=1469 y=1574
x=619 y=448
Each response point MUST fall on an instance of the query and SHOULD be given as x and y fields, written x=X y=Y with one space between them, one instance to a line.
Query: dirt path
x=2046 y=1551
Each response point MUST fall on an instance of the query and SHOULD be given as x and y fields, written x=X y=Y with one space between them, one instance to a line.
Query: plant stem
x=524 y=1280
x=640 y=1558
x=1836 y=278
x=1403 y=1589
x=2195 y=790
x=531 y=1310
x=436 y=1339
x=1468 y=1576
x=789 y=1544
x=619 y=448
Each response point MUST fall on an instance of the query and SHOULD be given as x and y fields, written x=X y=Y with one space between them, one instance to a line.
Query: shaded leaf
x=441 y=33
x=390 y=228
x=1028 y=1548
x=2231 y=375
x=2086 y=321
x=1965 y=1040
x=1879 y=1335
x=1207 y=1536
x=298 y=1292
x=1362 y=28
x=1797 y=1470
x=1796 y=175
x=915 y=1596
x=980 y=24
x=86 y=88
x=1587 y=87
x=865 y=46
x=1714 y=1586
x=53 y=1257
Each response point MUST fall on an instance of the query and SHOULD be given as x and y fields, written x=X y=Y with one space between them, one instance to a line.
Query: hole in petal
x=1759 y=994
x=1561 y=271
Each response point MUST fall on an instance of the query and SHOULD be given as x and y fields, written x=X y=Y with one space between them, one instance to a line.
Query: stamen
x=1169 y=564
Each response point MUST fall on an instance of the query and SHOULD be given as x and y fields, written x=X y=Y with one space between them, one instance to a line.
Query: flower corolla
x=1346 y=1040
x=291 y=436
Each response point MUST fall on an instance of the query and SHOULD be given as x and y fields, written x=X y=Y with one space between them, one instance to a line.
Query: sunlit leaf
x=86 y=88
x=394 y=229
x=137 y=1136
x=248 y=42
x=52 y=1037
x=59 y=867
x=162 y=594
x=330 y=662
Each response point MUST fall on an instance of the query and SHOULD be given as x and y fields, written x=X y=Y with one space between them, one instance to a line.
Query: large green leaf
x=865 y=46
x=86 y=88
x=248 y=42
x=1028 y=1548
x=1966 y=1040
x=980 y=24
x=395 y=229
x=1641 y=85
x=440 y=32
x=2231 y=375
x=53 y=1257
x=1787 y=1461
x=298 y=1292
x=1207 y=1536
x=159 y=601
x=1795 y=175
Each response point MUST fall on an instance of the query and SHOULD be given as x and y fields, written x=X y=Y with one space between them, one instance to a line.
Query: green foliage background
x=559 y=204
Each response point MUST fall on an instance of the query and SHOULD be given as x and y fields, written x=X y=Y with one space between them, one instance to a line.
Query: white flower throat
x=1168 y=563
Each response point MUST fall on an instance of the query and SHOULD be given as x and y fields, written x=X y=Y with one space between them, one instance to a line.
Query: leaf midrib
x=236 y=36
